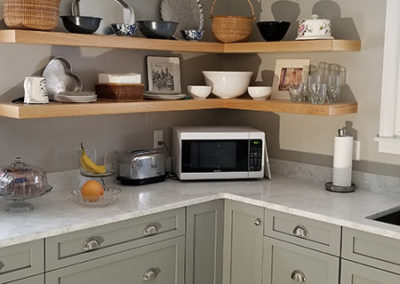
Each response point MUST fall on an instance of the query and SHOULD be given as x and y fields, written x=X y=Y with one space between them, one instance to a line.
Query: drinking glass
x=334 y=86
x=318 y=92
x=296 y=93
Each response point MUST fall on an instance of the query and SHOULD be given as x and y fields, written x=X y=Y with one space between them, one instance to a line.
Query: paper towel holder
x=340 y=189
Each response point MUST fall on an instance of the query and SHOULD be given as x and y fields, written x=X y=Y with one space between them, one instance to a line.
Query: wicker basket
x=232 y=28
x=119 y=92
x=31 y=14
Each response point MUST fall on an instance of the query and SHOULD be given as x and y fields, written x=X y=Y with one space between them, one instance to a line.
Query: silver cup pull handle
x=151 y=229
x=151 y=274
x=298 y=276
x=92 y=243
x=301 y=231
x=1 y=265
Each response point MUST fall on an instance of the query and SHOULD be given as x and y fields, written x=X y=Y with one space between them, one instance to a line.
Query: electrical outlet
x=356 y=150
x=158 y=139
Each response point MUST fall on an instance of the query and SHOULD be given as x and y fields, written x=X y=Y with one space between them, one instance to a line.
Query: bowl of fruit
x=96 y=194
x=95 y=163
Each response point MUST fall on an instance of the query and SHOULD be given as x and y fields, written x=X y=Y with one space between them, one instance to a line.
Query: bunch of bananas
x=88 y=165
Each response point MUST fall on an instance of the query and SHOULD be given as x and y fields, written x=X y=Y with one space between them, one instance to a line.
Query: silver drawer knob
x=258 y=222
x=92 y=243
x=151 y=274
x=151 y=229
x=301 y=231
x=298 y=276
x=1 y=265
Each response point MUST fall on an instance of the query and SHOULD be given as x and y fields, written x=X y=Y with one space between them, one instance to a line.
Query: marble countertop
x=57 y=212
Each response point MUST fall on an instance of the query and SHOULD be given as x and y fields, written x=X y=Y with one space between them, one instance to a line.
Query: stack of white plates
x=76 y=97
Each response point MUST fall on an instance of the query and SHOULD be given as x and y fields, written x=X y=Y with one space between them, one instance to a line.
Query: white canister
x=314 y=28
x=35 y=90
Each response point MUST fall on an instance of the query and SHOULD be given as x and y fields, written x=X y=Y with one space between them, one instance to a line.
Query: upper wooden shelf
x=111 y=41
x=21 y=111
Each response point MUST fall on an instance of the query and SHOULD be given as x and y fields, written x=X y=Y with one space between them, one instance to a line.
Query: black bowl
x=80 y=24
x=157 y=29
x=273 y=30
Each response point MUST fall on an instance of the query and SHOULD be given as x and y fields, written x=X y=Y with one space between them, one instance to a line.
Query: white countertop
x=57 y=213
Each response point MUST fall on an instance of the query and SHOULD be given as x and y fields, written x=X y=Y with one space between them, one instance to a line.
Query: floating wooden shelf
x=112 y=41
x=21 y=111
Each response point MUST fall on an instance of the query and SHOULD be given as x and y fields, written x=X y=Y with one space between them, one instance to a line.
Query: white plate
x=151 y=96
x=111 y=11
x=75 y=99
x=187 y=13
x=314 y=37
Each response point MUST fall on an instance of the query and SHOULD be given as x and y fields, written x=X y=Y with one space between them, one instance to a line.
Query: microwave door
x=215 y=156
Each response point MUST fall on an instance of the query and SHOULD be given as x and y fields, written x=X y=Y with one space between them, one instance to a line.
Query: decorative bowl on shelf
x=157 y=29
x=199 y=92
x=259 y=93
x=110 y=196
x=192 y=34
x=19 y=182
x=228 y=84
x=273 y=30
x=81 y=24
x=124 y=29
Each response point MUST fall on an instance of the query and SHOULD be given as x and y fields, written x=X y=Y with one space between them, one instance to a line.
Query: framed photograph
x=163 y=75
x=288 y=72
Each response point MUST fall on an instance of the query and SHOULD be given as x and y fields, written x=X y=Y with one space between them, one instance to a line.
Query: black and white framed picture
x=163 y=74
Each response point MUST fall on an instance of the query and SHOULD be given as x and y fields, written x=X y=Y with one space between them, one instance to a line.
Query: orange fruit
x=92 y=190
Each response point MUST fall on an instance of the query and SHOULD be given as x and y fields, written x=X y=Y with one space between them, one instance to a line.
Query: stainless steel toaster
x=141 y=167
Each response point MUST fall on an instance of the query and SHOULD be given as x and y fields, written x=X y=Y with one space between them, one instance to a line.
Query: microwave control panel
x=256 y=155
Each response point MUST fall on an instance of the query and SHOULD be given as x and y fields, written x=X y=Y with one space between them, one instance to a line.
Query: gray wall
x=52 y=143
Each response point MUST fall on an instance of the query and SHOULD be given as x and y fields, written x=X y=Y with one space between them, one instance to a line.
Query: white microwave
x=211 y=153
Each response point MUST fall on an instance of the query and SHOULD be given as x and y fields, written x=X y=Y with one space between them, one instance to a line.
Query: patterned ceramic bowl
x=124 y=29
x=314 y=28
x=192 y=34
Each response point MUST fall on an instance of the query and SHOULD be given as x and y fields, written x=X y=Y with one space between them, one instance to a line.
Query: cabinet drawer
x=160 y=263
x=354 y=273
x=21 y=260
x=285 y=263
x=84 y=245
x=38 y=279
x=370 y=249
x=303 y=231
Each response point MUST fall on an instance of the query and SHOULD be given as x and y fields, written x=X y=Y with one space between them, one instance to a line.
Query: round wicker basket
x=31 y=14
x=232 y=28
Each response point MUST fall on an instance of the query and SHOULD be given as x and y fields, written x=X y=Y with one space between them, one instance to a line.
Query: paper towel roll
x=343 y=161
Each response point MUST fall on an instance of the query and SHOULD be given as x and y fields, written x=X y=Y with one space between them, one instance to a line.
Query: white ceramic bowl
x=199 y=92
x=227 y=85
x=259 y=93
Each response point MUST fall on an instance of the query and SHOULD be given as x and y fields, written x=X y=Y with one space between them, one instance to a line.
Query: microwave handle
x=267 y=167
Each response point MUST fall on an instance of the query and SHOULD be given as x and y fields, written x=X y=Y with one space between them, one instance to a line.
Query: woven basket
x=31 y=14
x=119 y=92
x=232 y=28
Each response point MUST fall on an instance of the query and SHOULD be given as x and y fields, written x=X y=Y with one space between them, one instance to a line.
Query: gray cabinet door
x=243 y=243
x=159 y=263
x=285 y=263
x=204 y=239
x=354 y=273
x=38 y=279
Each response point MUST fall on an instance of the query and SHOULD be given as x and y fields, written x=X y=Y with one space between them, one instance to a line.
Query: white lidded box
x=314 y=28
x=219 y=152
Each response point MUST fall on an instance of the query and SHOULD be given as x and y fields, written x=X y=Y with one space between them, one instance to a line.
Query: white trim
x=390 y=81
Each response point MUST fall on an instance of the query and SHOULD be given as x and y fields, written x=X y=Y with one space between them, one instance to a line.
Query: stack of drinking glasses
x=322 y=85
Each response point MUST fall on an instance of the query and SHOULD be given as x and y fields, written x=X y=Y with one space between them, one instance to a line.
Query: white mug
x=35 y=90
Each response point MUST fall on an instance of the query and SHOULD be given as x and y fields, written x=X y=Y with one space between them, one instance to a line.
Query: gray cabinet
x=285 y=263
x=243 y=243
x=159 y=263
x=354 y=273
x=38 y=279
x=22 y=260
x=204 y=237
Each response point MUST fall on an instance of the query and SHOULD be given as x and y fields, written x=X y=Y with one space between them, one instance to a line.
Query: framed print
x=163 y=75
x=288 y=72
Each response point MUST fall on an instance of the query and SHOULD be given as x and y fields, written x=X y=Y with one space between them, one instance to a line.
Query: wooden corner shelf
x=52 y=110
x=113 y=41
